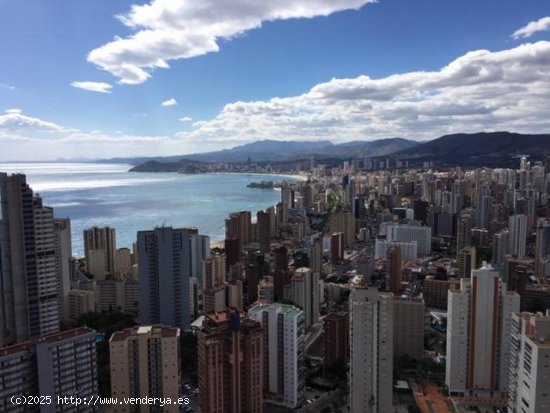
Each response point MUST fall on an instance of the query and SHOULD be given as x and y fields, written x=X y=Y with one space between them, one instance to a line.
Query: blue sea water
x=106 y=194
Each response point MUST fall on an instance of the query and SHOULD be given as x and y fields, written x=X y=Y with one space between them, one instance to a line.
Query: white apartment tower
x=284 y=339
x=408 y=233
x=529 y=373
x=371 y=351
x=305 y=294
x=478 y=330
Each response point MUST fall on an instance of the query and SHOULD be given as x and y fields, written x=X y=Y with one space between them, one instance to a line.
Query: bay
x=107 y=195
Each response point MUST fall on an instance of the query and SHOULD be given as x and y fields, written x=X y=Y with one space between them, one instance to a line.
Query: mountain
x=266 y=151
x=363 y=149
x=271 y=150
x=487 y=148
x=263 y=151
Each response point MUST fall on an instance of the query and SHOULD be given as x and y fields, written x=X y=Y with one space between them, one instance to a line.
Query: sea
x=108 y=195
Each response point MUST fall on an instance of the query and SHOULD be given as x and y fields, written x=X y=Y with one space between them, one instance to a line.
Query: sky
x=104 y=78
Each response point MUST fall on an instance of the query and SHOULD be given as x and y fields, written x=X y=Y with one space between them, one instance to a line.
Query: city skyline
x=346 y=70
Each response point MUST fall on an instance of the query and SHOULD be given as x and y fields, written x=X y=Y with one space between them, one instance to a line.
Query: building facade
x=145 y=361
x=478 y=330
x=371 y=351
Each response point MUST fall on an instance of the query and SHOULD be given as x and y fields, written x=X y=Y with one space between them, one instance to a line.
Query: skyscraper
x=145 y=361
x=239 y=226
x=371 y=351
x=517 y=235
x=393 y=267
x=284 y=339
x=231 y=363
x=305 y=294
x=263 y=220
x=28 y=263
x=542 y=249
x=167 y=257
x=478 y=331
x=466 y=261
x=408 y=327
x=529 y=372
x=101 y=239
x=336 y=338
x=463 y=233
x=64 y=254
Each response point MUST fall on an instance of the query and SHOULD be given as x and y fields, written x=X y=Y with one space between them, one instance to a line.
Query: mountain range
x=485 y=148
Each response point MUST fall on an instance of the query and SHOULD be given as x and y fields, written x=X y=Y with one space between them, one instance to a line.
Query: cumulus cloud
x=186 y=119
x=180 y=29
x=24 y=137
x=14 y=120
x=169 y=102
x=481 y=90
x=100 y=87
x=531 y=28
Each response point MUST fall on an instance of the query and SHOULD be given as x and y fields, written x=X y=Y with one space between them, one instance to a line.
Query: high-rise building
x=213 y=271
x=542 y=249
x=56 y=364
x=284 y=339
x=239 y=225
x=66 y=365
x=231 y=363
x=529 y=370
x=409 y=250
x=280 y=271
x=371 y=351
x=315 y=253
x=80 y=302
x=336 y=338
x=123 y=262
x=500 y=246
x=101 y=239
x=517 y=233
x=466 y=261
x=393 y=270
x=478 y=330
x=263 y=220
x=64 y=254
x=435 y=291
x=29 y=262
x=336 y=248
x=305 y=294
x=406 y=233
x=342 y=220
x=145 y=361
x=463 y=233
x=408 y=327
x=167 y=259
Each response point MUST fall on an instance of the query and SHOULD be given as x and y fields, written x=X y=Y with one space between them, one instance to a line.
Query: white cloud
x=481 y=90
x=14 y=120
x=169 y=102
x=186 y=119
x=6 y=86
x=531 y=28
x=100 y=87
x=180 y=29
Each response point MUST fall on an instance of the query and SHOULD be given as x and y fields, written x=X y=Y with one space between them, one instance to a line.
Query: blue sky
x=237 y=71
